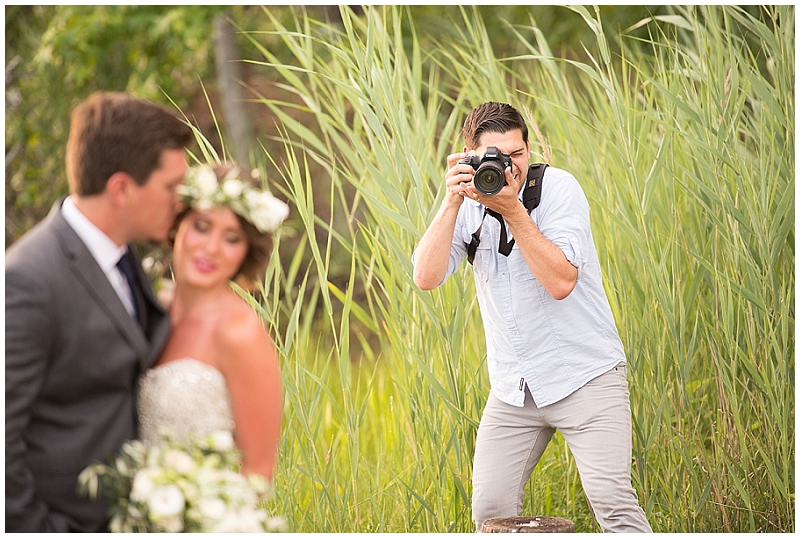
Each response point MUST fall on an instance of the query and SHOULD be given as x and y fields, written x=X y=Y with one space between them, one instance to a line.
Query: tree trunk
x=229 y=74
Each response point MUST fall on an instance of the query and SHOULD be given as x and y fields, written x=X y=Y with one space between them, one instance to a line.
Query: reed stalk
x=684 y=147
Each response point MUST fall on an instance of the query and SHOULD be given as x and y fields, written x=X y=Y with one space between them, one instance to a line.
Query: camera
x=490 y=177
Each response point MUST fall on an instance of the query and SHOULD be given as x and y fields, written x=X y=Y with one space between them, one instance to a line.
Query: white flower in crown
x=205 y=182
x=203 y=192
x=233 y=188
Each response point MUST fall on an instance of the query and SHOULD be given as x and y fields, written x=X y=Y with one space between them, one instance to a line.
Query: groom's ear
x=118 y=188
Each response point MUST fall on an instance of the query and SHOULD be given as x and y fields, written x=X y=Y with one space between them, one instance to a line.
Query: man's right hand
x=457 y=178
x=432 y=254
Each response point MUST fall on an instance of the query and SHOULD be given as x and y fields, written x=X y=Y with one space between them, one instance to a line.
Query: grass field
x=684 y=146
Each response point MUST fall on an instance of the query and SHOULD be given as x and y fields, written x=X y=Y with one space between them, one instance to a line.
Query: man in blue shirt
x=554 y=355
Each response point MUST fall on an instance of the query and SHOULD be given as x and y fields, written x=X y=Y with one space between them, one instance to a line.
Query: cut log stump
x=528 y=524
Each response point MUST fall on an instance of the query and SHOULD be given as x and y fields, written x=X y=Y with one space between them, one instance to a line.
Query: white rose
x=241 y=521
x=233 y=188
x=206 y=181
x=267 y=212
x=251 y=520
x=171 y=524
x=207 y=478
x=222 y=440
x=252 y=198
x=204 y=204
x=143 y=485
x=180 y=461
x=166 y=501
x=212 y=508
x=229 y=523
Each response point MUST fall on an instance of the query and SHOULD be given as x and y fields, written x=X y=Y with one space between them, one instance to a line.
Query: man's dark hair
x=116 y=132
x=492 y=117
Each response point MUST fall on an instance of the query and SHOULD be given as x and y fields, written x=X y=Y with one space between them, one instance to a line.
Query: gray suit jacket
x=73 y=358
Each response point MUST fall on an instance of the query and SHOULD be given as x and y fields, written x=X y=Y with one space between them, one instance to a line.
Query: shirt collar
x=103 y=249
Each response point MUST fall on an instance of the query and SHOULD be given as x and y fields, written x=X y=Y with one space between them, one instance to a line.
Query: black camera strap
x=531 y=196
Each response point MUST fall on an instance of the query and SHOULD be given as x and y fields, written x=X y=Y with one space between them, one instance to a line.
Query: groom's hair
x=116 y=132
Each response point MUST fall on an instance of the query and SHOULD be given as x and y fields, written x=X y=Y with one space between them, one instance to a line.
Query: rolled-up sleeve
x=564 y=219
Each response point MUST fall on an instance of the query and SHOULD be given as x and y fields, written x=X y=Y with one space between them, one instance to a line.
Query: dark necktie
x=126 y=265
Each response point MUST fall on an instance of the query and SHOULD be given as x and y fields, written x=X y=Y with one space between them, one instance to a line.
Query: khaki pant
x=595 y=421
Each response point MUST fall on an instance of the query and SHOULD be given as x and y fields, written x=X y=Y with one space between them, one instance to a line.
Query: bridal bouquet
x=181 y=487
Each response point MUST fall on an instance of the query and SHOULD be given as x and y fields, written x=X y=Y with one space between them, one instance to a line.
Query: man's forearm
x=433 y=252
x=545 y=260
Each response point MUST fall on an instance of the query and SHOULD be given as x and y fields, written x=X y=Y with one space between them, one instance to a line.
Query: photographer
x=555 y=358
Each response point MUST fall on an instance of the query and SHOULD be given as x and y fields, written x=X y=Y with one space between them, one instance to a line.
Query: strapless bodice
x=185 y=397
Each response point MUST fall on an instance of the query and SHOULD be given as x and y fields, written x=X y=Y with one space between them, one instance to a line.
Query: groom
x=81 y=327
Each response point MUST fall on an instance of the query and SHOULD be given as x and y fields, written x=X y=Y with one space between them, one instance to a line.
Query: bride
x=219 y=369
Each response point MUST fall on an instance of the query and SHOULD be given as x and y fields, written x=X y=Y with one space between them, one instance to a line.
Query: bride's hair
x=259 y=244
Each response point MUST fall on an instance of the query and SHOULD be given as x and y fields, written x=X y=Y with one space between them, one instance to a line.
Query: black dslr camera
x=490 y=176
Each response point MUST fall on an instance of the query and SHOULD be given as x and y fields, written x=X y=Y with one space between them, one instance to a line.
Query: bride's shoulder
x=242 y=331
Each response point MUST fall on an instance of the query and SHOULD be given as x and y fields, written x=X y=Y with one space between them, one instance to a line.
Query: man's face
x=510 y=143
x=153 y=205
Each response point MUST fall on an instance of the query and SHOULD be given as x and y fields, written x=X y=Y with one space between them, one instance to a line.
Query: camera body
x=490 y=177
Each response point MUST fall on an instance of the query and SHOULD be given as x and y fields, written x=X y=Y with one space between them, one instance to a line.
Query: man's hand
x=433 y=252
x=457 y=178
x=545 y=260
x=506 y=202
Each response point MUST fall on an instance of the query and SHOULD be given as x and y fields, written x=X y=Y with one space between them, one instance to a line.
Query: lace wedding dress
x=184 y=397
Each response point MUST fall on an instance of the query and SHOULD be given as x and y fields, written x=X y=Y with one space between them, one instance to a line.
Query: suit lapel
x=157 y=326
x=96 y=284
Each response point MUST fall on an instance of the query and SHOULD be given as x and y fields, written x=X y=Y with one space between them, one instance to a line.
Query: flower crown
x=203 y=191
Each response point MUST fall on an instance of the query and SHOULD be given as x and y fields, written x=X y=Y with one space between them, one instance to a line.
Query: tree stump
x=528 y=524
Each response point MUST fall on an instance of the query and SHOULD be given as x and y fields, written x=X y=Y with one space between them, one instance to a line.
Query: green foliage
x=683 y=143
x=678 y=122
x=64 y=54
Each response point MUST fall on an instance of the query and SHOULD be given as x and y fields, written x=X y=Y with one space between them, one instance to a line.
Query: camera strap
x=531 y=196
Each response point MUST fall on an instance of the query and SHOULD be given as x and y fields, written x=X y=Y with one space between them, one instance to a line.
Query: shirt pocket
x=480 y=265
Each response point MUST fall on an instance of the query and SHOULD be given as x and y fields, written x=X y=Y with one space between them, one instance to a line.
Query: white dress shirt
x=105 y=251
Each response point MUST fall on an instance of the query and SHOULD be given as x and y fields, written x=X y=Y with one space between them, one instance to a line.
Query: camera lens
x=489 y=179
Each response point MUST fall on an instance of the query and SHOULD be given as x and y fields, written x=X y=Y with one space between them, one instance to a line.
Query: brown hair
x=259 y=245
x=492 y=117
x=117 y=132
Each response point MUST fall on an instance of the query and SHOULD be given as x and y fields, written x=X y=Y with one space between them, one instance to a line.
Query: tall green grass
x=684 y=146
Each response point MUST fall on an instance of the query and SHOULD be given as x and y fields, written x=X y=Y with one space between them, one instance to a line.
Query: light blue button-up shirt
x=553 y=347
